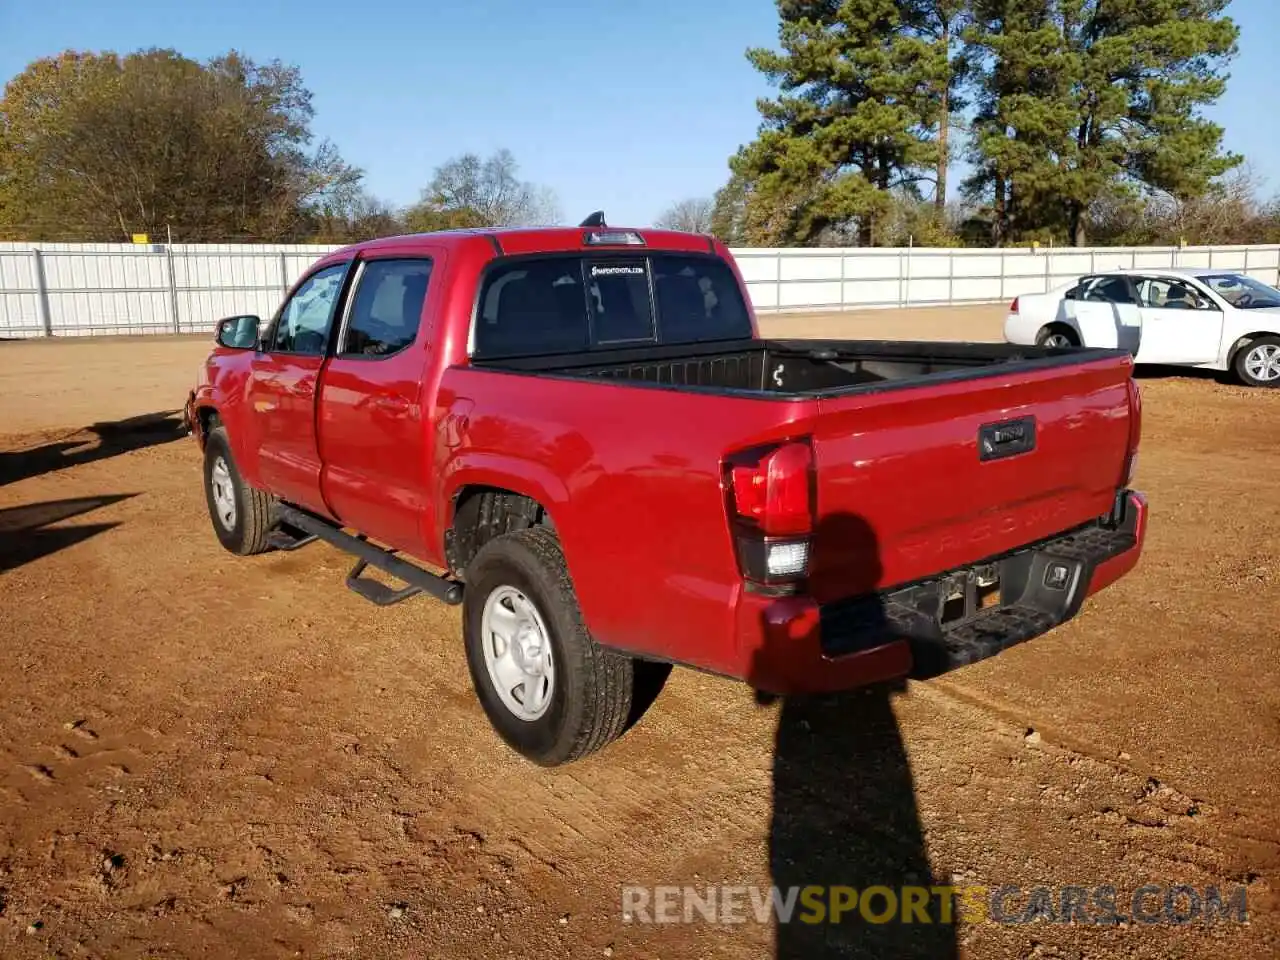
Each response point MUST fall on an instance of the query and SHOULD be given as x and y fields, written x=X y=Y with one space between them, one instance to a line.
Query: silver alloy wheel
x=517 y=653
x=1057 y=340
x=1263 y=362
x=224 y=494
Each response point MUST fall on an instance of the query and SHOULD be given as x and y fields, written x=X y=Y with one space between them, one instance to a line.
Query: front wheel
x=241 y=514
x=1258 y=362
x=549 y=690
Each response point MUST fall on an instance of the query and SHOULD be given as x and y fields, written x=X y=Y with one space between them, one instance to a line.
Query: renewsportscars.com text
x=1151 y=903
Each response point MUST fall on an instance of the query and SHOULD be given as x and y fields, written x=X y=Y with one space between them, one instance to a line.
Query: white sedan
x=1215 y=319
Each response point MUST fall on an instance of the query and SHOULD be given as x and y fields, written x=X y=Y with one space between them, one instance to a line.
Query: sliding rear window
x=550 y=305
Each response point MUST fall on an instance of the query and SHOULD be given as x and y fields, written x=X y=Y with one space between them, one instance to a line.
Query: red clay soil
x=205 y=756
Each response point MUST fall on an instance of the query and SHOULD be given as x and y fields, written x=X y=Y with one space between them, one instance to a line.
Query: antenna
x=595 y=220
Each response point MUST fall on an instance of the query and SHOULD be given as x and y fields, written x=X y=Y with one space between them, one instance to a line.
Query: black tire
x=1056 y=330
x=1240 y=364
x=592 y=691
x=254 y=510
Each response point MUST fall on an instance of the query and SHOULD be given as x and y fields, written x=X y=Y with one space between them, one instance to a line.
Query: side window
x=386 y=307
x=618 y=297
x=532 y=306
x=1110 y=290
x=1168 y=295
x=303 y=326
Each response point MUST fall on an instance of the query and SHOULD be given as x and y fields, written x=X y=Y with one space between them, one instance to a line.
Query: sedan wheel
x=1263 y=363
x=1258 y=363
x=1055 y=338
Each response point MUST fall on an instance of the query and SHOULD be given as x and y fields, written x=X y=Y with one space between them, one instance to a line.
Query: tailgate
x=906 y=489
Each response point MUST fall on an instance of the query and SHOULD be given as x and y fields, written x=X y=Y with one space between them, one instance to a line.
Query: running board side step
x=419 y=580
x=283 y=540
x=374 y=590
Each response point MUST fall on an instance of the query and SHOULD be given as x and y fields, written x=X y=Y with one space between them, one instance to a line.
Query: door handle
x=392 y=403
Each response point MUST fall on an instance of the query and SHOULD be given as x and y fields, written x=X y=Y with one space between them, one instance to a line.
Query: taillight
x=1013 y=307
x=770 y=496
x=1135 y=432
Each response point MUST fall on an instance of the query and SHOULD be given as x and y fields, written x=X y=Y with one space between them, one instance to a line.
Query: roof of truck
x=524 y=240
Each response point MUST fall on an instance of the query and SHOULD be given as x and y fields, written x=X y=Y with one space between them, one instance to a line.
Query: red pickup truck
x=579 y=435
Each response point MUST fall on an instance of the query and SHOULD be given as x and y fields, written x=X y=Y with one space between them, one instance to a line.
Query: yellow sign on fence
x=141 y=238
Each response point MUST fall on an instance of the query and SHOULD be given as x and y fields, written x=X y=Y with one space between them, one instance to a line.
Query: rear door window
x=553 y=305
x=386 y=308
x=698 y=299
x=1110 y=290
x=618 y=298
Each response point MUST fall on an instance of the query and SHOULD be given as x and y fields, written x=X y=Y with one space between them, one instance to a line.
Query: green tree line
x=1082 y=123
x=100 y=147
x=1077 y=121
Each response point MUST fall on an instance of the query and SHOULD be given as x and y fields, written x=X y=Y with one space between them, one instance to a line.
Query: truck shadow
x=27 y=532
x=844 y=808
x=113 y=437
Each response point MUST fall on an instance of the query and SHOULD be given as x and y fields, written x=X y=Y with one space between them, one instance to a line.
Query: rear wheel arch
x=482 y=513
x=1058 y=328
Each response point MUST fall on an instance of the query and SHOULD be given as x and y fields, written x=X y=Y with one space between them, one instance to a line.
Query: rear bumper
x=794 y=645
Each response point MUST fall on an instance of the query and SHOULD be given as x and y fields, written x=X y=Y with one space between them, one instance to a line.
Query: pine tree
x=1147 y=68
x=1081 y=99
x=1022 y=144
x=939 y=23
x=855 y=118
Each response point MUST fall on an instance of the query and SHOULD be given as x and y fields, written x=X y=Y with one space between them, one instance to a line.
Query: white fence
x=84 y=289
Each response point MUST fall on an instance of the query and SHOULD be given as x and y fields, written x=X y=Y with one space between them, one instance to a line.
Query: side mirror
x=238 y=333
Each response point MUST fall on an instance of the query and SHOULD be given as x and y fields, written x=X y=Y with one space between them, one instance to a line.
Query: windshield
x=1242 y=291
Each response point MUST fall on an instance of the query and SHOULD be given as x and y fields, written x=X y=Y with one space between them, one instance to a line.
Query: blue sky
x=625 y=106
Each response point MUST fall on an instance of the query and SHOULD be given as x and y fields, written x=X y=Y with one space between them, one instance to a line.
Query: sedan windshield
x=1241 y=291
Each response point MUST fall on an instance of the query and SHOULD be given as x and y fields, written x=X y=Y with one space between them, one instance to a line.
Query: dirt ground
x=204 y=756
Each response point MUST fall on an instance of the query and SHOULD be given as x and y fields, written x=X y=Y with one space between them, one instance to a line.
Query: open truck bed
x=801 y=368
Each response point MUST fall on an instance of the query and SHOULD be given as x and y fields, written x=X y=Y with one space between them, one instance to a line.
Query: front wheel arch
x=1240 y=352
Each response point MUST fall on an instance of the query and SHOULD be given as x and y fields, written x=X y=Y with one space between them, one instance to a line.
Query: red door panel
x=373 y=440
x=282 y=395
x=371 y=430
x=283 y=384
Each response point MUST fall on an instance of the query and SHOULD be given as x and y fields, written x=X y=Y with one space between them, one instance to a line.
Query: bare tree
x=470 y=192
x=692 y=215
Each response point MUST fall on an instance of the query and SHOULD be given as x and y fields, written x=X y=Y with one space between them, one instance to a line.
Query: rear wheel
x=549 y=690
x=1257 y=363
x=241 y=515
x=1056 y=335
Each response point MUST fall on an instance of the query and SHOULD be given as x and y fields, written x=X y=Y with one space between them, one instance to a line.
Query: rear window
x=568 y=304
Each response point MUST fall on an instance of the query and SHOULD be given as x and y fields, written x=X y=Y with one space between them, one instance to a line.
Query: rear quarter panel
x=631 y=478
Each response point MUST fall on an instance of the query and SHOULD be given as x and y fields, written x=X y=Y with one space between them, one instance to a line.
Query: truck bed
x=797 y=368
